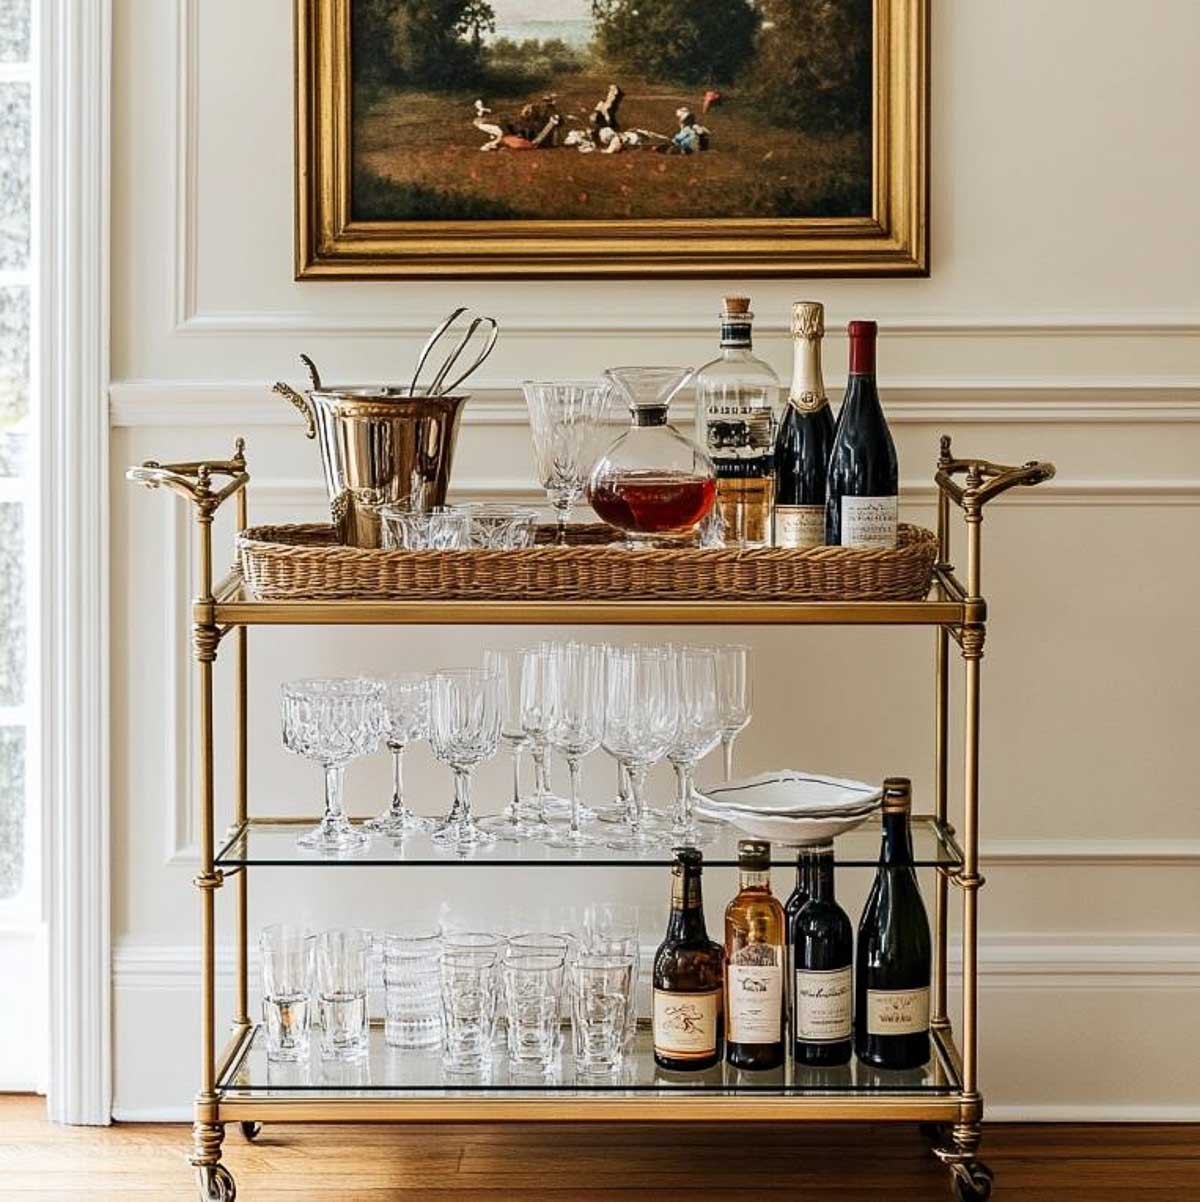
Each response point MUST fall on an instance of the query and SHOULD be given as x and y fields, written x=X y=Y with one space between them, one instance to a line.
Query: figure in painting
x=517 y=135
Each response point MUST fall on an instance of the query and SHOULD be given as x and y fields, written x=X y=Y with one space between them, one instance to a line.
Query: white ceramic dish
x=784 y=830
x=792 y=794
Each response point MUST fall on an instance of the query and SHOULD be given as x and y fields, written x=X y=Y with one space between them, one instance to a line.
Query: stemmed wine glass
x=519 y=819
x=563 y=418
x=576 y=721
x=733 y=693
x=332 y=721
x=406 y=709
x=464 y=731
x=641 y=713
x=698 y=731
x=535 y=722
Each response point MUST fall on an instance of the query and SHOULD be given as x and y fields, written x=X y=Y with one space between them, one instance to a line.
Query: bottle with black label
x=754 y=964
x=895 y=958
x=805 y=437
x=736 y=398
x=823 y=955
x=688 y=978
x=863 y=485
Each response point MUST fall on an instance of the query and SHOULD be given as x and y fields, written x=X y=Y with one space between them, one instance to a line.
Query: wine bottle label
x=897 y=1011
x=798 y=526
x=755 y=1002
x=869 y=521
x=685 y=1024
x=823 y=1010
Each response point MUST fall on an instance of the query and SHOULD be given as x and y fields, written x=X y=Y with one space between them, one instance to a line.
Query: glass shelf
x=401 y=1072
x=272 y=843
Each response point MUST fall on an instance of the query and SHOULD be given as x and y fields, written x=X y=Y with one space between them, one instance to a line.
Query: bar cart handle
x=984 y=479
x=194 y=480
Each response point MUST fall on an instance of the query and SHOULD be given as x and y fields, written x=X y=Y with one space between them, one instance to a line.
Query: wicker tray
x=305 y=563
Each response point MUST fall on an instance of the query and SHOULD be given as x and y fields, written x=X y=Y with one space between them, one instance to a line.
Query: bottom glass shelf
x=396 y=1073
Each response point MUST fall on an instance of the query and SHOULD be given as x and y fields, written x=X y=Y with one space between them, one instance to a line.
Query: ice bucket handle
x=301 y=403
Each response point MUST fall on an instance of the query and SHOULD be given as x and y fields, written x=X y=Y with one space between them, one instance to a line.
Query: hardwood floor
x=40 y=1162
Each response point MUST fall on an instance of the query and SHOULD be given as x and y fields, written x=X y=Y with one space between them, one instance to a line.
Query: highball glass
x=469 y=986
x=412 y=988
x=287 y=973
x=602 y=993
x=533 y=987
x=343 y=959
x=333 y=721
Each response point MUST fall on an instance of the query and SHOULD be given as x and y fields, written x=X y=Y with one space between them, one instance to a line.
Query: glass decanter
x=652 y=481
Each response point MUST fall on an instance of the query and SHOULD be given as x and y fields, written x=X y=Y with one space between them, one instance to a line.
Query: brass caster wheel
x=216 y=1183
x=250 y=1129
x=971 y=1182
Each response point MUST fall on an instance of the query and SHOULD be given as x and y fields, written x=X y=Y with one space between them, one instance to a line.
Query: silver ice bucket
x=379 y=446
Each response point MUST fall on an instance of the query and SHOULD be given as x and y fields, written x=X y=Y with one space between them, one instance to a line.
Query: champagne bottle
x=754 y=962
x=861 y=494
x=823 y=954
x=891 y=985
x=688 y=978
x=805 y=437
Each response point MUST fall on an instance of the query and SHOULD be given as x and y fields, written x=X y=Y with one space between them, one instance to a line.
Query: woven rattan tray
x=305 y=563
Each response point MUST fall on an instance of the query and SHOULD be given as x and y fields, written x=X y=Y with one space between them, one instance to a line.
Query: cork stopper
x=736 y=306
x=897 y=795
x=808 y=320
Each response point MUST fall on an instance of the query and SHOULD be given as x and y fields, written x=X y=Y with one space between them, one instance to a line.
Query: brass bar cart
x=236 y=1084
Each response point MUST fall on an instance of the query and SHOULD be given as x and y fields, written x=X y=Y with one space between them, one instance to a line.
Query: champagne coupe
x=520 y=818
x=733 y=692
x=640 y=716
x=564 y=417
x=464 y=731
x=576 y=696
x=406 y=708
x=698 y=732
x=332 y=721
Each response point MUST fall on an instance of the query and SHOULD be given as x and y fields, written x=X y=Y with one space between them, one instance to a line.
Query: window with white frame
x=20 y=885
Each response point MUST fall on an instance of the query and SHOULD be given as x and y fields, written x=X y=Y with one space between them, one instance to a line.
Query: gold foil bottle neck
x=808 y=320
x=897 y=795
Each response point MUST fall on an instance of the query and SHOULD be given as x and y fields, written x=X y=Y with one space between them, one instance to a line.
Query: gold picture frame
x=892 y=241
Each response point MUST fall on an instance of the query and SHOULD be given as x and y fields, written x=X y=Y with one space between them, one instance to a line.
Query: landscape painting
x=600 y=109
x=585 y=138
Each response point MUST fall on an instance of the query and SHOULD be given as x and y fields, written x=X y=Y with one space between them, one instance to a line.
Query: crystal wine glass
x=332 y=721
x=535 y=721
x=576 y=723
x=521 y=818
x=640 y=716
x=464 y=731
x=406 y=708
x=733 y=692
x=698 y=732
x=564 y=417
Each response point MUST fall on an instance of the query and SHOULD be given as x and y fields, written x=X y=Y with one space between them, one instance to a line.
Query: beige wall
x=1060 y=321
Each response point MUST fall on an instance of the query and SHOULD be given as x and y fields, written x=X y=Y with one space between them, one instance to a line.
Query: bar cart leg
x=970 y=1178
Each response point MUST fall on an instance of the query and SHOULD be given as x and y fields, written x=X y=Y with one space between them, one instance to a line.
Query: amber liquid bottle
x=755 y=935
x=688 y=978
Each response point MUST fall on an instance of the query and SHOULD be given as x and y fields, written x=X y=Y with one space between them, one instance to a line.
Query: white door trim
x=72 y=368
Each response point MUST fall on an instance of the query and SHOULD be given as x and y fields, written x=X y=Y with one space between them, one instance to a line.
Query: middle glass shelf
x=271 y=843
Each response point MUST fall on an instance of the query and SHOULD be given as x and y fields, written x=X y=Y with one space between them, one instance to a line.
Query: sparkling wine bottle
x=861 y=494
x=736 y=396
x=688 y=977
x=823 y=955
x=805 y=438
x=754 y=963
x=891 y=984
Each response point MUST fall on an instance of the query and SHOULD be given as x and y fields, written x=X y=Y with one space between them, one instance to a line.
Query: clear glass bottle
x=652 y=481
x=736 y=399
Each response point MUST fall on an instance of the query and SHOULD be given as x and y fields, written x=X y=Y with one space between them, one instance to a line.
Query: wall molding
x=241 y=404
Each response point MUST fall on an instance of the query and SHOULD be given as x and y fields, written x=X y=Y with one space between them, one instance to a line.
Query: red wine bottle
x=805 y=438
x=823 y=955
x=861 y=494
x=895 y=958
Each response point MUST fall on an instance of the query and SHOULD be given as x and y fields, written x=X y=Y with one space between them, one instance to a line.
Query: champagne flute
x=698 y=732
x=733 y=695
x=576 y=721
